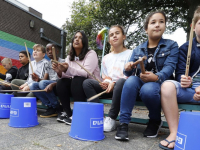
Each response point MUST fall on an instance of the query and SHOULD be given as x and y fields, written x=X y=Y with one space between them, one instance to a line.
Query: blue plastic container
x=188 y=134
x=5 y=100
x=23 y=112
x=87 y=121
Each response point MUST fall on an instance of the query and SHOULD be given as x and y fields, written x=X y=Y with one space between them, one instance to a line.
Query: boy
x=186 y=88
x=10 y=74
x=49 y=99
x=38 y=69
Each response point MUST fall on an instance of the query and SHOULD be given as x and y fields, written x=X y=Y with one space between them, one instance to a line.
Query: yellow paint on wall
x=2 y=70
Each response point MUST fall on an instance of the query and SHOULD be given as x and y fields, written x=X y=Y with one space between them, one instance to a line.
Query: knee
x=168 y=88
x=34 y=86
x=150 y=91
x=131 y=82
x=87 y=83
x=42 y=84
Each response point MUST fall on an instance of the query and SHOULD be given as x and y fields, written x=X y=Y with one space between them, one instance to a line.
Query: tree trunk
x=192 y=6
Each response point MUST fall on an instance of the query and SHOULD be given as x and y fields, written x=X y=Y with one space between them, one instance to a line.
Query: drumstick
x=139 y=60
x=95 y=96
x=54 y=53
x=142 y=67
x=28 y=57
x=88 y=72
x=23 y=91
x=189 y=49
x=7 y=83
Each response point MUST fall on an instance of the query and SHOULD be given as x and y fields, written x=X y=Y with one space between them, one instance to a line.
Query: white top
x=38 y=68
x=113 y=65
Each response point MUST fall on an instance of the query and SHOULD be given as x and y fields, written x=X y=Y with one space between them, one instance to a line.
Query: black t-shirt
x=150 y=63
x=23 y=72
x=13 y=71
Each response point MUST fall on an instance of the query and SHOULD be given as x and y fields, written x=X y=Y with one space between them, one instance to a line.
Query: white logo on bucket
x=4 y=106
x=181 y=141
x=14 y=112
x=96 y=122
x=27 y=104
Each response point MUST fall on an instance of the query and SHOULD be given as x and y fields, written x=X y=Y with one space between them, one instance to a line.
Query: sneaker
x=67 y=120
x=61 y=117
x=50 y=112
x=152 y=128
x=109 y=124
x=122 y=132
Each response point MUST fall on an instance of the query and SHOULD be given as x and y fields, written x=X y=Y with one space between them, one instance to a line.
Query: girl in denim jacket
x=162 y=57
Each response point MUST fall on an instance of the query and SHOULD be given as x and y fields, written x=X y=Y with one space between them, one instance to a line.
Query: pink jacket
x=90 y=62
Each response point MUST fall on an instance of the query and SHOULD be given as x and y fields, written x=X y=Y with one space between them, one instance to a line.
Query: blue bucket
x=188 y=134
x=5 y=105
x=87 y=121
x=23 y=112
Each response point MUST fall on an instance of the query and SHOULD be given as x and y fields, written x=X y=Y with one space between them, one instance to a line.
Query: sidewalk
x=51 y=135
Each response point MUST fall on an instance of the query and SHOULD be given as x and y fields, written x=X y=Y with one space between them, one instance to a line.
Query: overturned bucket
x=87 y=121
x=5 y=100
x=23 y=112
x=188 y=134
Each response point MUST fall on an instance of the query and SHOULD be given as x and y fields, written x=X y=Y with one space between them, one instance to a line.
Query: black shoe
x=61 y=117
x=67 y=120
x=152 y=128
x=122 y=132
x=50 y=112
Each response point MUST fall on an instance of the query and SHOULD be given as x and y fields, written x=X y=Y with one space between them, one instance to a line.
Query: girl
x=112 y=74
x=72 y=75
x=162 y=56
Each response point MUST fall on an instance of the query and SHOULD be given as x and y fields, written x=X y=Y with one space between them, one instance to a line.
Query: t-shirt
x=49 y=70
x=23 y=72
x=113 y=65
x=150 y=63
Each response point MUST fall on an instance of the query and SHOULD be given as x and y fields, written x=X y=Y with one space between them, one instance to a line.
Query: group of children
x=121 y=78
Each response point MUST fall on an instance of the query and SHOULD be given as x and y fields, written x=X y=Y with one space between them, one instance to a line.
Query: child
x=38 y=68
x=49 y=99
x=10 y=74
x=162 y=57
x=185 y=89
x=112 y=74
x=72 y=75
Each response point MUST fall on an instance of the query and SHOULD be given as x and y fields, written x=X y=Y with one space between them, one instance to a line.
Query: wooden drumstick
x=139 y=60
x=189 y=50
x=54 y=53
x=142 y=67
x=88 y=72
x=29 y=57
x=95 y=96
x=23 y=91
x=7 y=83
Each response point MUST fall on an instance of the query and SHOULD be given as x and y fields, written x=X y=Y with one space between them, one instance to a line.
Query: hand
x=26 y=88
x=22 y=86
x=35 y=77
x=110 y=87
x=129 y=66
x=104 y=85
x=148 y=77
x=185 y=81
x=49 y=87
x=196 y=96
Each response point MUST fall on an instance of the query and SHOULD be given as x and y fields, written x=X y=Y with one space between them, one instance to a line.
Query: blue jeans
x=134 y=88
x=48 y=99
x=185 y=95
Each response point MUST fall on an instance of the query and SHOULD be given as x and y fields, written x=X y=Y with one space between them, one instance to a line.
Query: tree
x=130 y=14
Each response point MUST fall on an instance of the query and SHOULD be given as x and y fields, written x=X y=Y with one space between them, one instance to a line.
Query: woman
x=72 y=75
x=112 y=74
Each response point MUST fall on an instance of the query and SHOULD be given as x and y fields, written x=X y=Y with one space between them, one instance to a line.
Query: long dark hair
x=85 y=49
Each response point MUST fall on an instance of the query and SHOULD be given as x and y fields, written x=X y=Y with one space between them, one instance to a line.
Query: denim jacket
x=194 y=61
x=165 y=58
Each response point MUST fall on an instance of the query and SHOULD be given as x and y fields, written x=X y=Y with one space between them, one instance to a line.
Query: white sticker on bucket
x=96 y=122
x=5 y=106
x=180 y=141
x=27 y=104
x=14 y=112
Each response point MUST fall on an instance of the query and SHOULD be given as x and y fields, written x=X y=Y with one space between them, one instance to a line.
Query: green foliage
x=96 y=14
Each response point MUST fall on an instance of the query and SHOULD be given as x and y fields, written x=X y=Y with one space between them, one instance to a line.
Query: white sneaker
x=109 y=124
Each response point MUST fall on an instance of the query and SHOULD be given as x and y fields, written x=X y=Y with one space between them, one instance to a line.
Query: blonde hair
x=41 y=46
x=196 y=16
x=6 y=61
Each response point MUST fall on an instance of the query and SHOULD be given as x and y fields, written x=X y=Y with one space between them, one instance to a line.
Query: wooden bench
x=184 y=107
